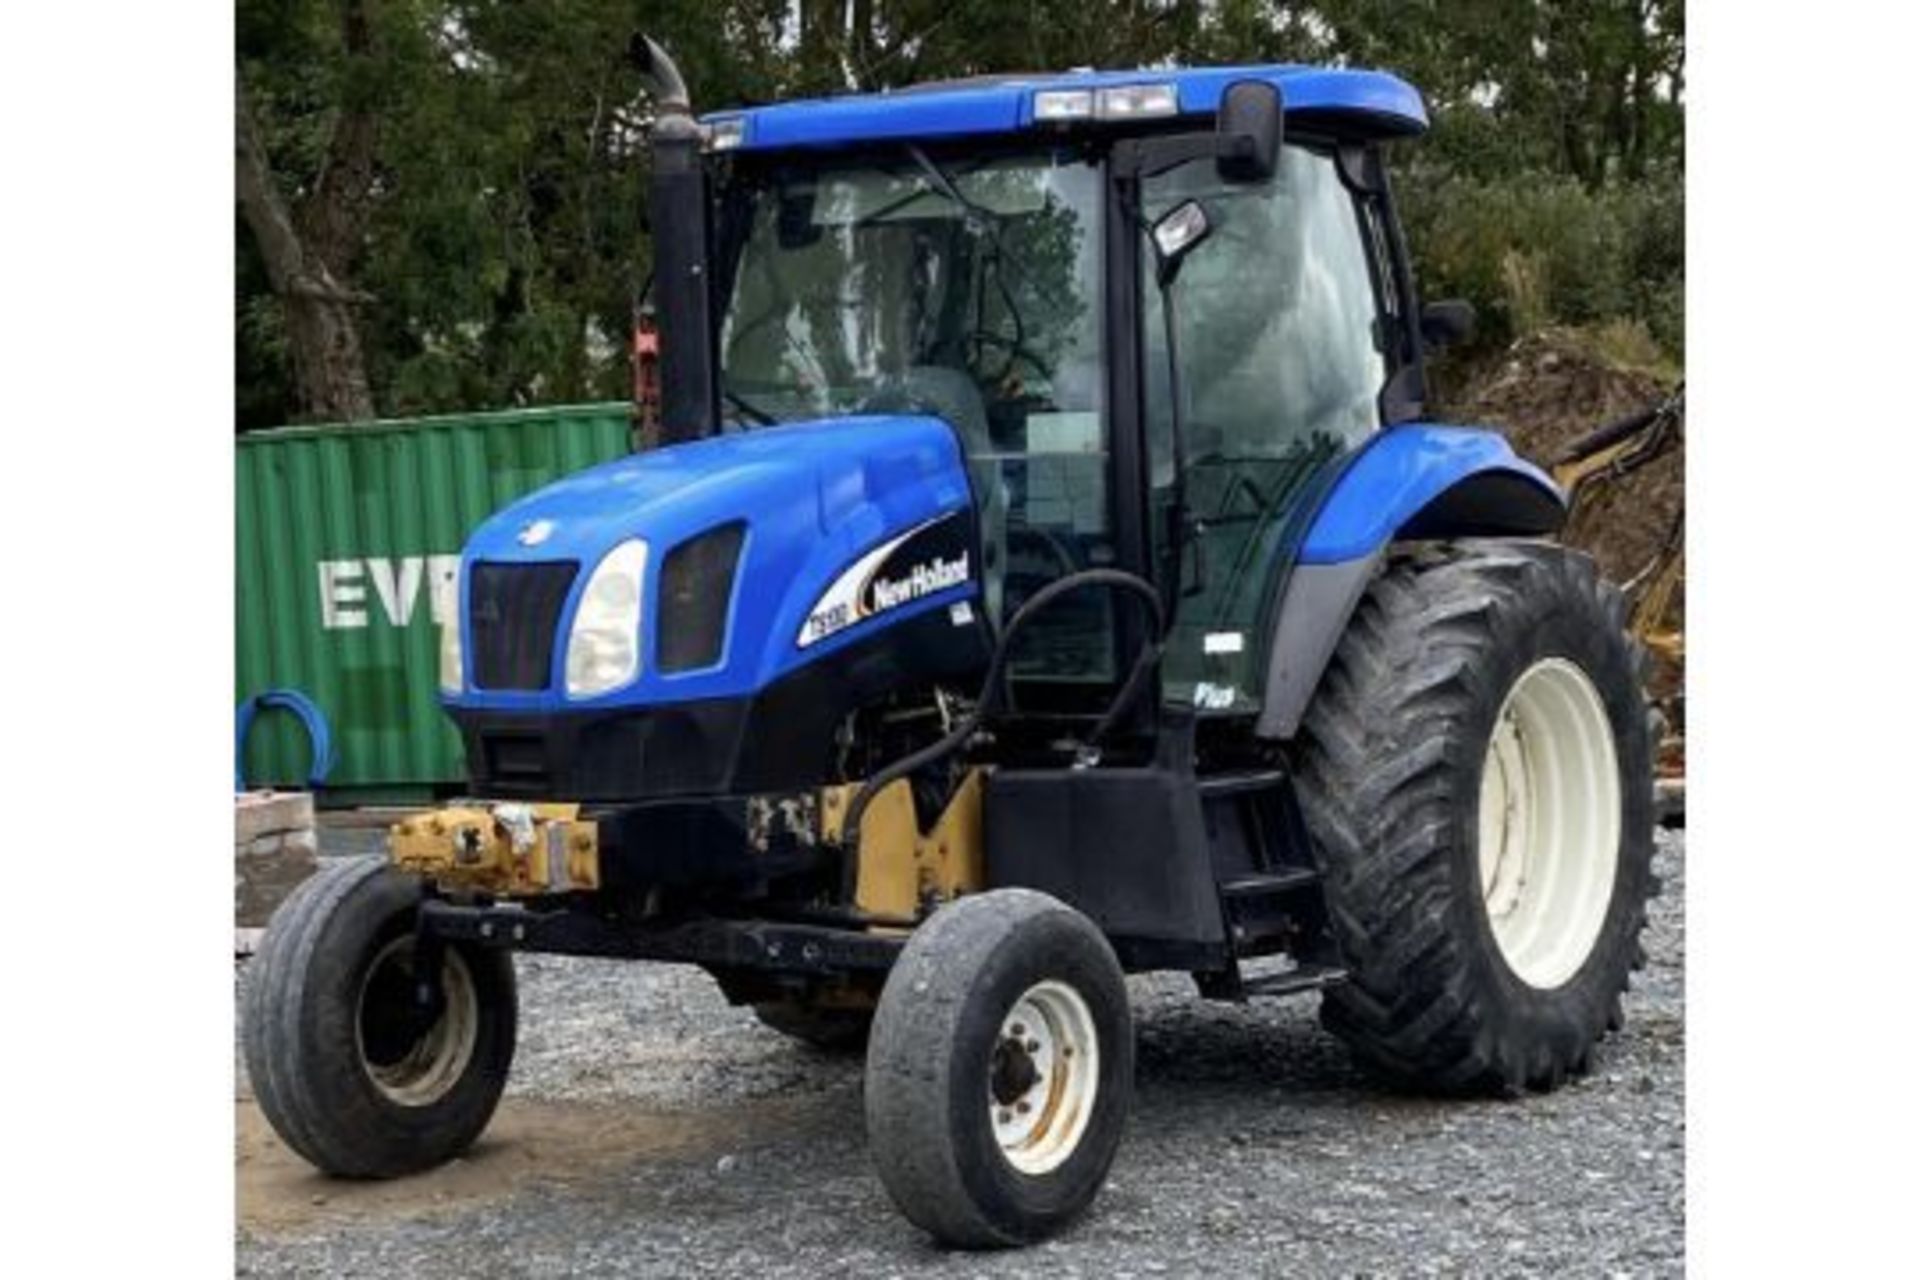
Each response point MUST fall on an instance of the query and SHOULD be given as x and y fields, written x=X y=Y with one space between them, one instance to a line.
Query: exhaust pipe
x=661 y=76
x=682 y=280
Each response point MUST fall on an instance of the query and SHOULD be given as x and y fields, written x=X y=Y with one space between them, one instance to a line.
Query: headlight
x=603 y=649
x=452 y=668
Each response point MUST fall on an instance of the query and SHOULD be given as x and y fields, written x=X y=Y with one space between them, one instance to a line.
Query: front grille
x=514 y=610
x=696 y=586
x=516 y=760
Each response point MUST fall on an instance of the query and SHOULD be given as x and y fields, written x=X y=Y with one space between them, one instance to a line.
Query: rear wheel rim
x=1044 y=1078
x=1549 y=823
x=412 y=1064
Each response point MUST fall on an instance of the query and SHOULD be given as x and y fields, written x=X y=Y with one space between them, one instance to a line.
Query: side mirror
x=1249 y=126
x=1175 y=234
x=1446 y=323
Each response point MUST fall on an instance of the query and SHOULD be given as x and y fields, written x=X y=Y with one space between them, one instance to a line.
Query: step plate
x=1311 y=977
x=1258 y=886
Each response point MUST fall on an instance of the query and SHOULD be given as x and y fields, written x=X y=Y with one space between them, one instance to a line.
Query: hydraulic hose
x=994 y=684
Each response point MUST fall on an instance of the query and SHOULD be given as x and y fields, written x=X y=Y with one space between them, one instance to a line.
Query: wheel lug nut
x=1006 y=1117
x=1066 y=1051
x=1018 y=1029
x=1022 y=1107
x=1033 y=1046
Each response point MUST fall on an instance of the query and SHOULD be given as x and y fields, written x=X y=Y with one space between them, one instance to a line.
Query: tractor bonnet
x=796 y=509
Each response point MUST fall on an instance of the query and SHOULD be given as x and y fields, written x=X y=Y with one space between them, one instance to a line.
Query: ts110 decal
x=923 y=560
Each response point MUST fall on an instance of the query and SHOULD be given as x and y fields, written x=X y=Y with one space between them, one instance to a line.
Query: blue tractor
x=1046 y=571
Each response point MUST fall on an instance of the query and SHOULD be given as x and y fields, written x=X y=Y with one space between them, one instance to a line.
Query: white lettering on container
x=342 y=597
x=396 y=584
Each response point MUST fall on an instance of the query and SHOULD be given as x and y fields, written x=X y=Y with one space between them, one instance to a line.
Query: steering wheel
x=1026 y=537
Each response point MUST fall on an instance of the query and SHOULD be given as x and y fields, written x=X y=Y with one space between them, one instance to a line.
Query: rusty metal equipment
x=1608 y=455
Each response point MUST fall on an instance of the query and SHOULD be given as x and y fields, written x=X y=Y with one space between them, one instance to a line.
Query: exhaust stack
x=682 y=280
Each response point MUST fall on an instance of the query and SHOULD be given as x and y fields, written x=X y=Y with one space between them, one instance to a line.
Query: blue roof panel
x=1387 y=103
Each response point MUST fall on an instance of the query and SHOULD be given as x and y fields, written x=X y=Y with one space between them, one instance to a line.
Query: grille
x=696 y=585
x=514 y=611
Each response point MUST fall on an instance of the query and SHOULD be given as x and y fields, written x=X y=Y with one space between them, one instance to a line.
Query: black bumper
x=693 y=749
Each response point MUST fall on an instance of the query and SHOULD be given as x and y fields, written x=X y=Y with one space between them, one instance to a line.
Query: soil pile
x=1545 y=392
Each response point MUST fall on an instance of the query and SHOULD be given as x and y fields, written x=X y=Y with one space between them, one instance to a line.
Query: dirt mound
x=1545 y=392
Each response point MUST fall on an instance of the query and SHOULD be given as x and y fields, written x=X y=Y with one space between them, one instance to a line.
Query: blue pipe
x=319 y=736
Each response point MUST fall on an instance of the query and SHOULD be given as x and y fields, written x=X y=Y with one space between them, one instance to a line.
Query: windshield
x=969 y=289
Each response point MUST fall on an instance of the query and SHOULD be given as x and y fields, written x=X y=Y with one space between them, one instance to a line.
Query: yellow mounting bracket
x=514 y=850
x=898 y=865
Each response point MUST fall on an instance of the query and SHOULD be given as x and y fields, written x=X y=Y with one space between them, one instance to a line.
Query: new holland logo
x=920 y=580
x=934 y=560
x=535 y=533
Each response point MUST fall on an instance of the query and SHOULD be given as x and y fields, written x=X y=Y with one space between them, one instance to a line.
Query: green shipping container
x=348 y=539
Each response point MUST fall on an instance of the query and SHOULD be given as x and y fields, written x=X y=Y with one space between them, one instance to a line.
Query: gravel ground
x=651 y=1130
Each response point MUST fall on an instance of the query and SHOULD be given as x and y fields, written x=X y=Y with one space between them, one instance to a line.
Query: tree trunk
x=308 y=250
x=323 y=335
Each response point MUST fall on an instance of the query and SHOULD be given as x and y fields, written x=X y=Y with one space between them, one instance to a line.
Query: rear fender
x=1411 y=482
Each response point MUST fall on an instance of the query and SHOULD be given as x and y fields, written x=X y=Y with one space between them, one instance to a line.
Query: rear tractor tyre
x=1477 y=773
x=351 y=1072
x=827 y=1028
x=1000 y=1071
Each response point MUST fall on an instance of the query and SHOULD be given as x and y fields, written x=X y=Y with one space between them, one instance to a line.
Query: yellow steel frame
x=899 y=866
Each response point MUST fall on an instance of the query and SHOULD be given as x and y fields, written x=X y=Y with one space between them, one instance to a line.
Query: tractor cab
x=983 y=253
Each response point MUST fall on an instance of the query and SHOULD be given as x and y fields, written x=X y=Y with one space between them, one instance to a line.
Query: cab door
x=1283 y=359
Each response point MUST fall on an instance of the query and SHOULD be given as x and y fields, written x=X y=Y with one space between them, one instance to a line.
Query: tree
x=307 y=246
x=442 y=201
x=1588 y=88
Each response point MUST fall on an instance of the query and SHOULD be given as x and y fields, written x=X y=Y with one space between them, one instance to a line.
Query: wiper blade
x=747 y=407
x=944 y=185
x=986 y=220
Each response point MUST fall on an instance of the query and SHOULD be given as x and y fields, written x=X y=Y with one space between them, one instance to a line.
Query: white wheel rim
x=1549 y=823
x=1044 y=1077
x=434 y=1063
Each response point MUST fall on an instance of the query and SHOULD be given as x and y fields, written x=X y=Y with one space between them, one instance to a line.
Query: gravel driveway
x=651 y=1130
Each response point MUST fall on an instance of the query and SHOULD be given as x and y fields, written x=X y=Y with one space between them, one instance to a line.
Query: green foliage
x=500 y=242
x=1534 y=249
x=505 y=246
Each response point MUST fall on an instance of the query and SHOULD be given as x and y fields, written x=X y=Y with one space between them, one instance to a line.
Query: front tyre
x=1000 y=1070
x=351 y=1072
x=1477 y=772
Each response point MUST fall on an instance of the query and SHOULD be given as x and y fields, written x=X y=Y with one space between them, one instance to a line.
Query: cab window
x=1277 y=334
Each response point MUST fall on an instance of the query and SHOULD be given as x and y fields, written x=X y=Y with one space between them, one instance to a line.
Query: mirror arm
x=1153 y=156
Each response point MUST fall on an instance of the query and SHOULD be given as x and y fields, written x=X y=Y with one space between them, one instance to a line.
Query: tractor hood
x=843 y=527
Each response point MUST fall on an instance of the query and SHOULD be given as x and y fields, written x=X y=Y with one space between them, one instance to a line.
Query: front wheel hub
x=1044 y=1077
x=415 y=1051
